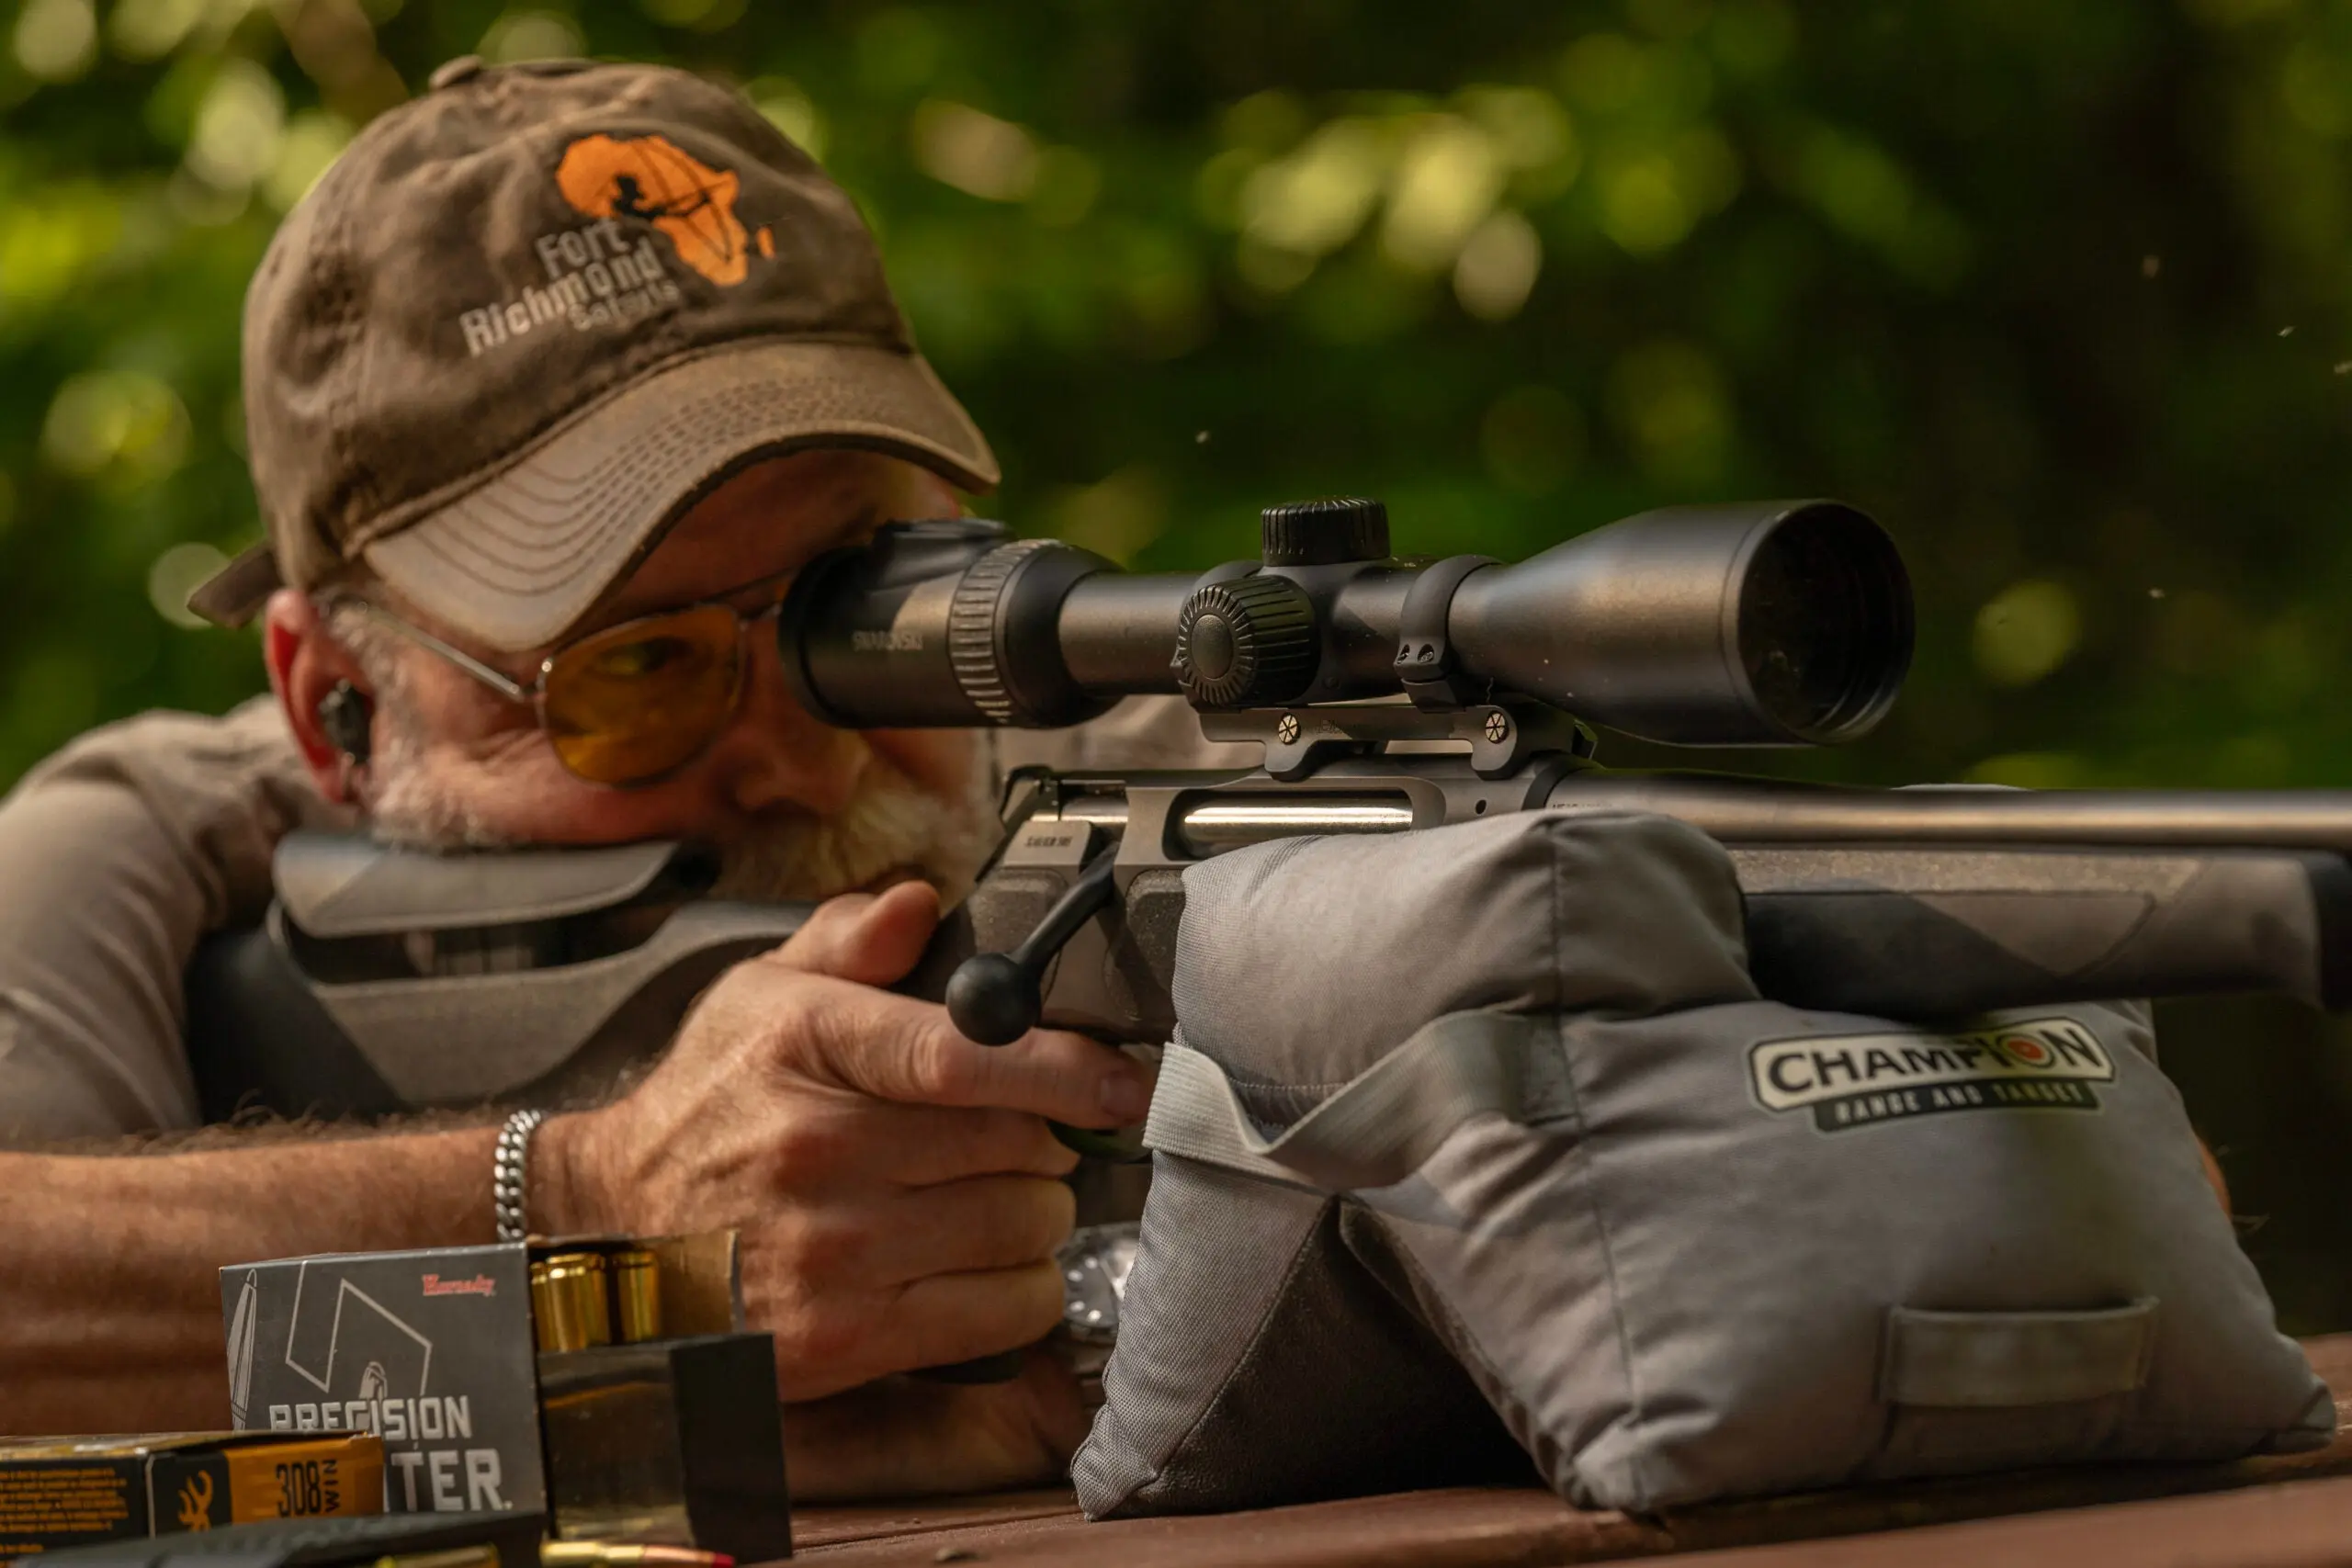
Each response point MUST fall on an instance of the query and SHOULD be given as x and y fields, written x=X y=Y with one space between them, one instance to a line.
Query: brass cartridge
x=636 y=1295
x=569 y=1301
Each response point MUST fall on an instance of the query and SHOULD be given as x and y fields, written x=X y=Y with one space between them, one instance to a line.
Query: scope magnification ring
x=1246 y=643
x=972 y=624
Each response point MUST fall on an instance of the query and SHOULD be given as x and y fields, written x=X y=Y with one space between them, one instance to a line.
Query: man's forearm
x=112 y=1292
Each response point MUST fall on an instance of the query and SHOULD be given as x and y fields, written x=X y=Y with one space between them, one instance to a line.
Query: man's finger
x=989 y=1222
x=947 y=1318
x=849 y=1144
x=839 y=1340
x=960 y=1228
x=908 y=1437
x=896 y=1048
x=872 y=939
x=934 y=1144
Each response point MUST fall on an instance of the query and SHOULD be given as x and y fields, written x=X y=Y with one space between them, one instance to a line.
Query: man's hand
x=902 y=1438
x=897 y=1187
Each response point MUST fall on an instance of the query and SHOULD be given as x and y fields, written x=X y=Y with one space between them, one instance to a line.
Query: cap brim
x=233 y=595
x=517 y=562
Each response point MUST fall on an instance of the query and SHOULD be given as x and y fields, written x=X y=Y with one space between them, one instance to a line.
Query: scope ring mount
x=1426 y=664
x=1501 y=735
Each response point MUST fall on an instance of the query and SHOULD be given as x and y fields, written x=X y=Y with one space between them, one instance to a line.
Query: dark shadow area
x=2269 y=1086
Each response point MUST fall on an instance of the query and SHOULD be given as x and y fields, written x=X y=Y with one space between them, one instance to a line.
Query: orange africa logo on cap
x=607 y=274
x=653 y=178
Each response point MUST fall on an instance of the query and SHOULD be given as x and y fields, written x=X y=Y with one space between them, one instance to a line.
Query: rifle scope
x=1772 y=623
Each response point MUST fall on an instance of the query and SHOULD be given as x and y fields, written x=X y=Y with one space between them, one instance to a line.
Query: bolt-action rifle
x=1390 y=695
x=1386 y=695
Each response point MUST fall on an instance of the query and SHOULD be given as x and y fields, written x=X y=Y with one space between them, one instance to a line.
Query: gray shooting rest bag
x=1476 y=1148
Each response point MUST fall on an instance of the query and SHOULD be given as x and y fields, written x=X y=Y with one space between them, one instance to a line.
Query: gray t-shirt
x=122 y=852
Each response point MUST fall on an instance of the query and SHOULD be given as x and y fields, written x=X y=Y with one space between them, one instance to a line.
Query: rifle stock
x=1920 y=904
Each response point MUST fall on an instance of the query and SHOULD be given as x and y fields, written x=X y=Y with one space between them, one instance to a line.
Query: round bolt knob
x=1324 y=532
x=1246 y=643
x=993 y=998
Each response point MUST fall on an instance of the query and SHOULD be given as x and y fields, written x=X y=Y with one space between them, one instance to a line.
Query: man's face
x=796 y=809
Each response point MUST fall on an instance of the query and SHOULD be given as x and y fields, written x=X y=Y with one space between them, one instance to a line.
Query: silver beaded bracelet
x=510 y=1174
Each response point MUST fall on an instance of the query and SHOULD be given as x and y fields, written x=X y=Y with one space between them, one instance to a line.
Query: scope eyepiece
x=1774 y=624
x=936 y=624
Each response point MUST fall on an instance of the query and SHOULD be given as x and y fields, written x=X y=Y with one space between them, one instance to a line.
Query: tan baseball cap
x=528 y=318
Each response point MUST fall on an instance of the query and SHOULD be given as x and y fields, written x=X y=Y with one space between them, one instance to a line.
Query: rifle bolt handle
x=993 y=998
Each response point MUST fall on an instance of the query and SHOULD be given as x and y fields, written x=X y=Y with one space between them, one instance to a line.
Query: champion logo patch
x=1859 y=1080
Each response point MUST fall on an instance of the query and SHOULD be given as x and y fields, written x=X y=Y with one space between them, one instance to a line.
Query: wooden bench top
x=2265 y=1513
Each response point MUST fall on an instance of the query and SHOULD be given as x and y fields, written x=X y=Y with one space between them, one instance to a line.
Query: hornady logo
x=1853 y=1080
x=608 y=273
x=479 y=1285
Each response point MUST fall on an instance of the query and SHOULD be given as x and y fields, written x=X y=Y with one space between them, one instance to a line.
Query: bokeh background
x=2061 y=292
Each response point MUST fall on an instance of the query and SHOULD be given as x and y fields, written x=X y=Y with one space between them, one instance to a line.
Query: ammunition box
x=57 y=1493
x=674 y=1440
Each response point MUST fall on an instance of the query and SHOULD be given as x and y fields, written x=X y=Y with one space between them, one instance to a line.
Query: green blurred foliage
x=2061 y=292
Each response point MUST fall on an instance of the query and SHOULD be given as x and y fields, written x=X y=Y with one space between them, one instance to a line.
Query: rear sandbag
x=1687 y=1243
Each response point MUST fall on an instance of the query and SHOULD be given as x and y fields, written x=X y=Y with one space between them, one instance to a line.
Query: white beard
x=890 y=825
x=411 y=804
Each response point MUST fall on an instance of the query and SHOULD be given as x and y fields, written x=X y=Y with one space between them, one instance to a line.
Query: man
x=550 y=386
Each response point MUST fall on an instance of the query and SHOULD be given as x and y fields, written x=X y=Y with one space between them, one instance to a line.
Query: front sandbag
x=1688 y=1243
x=1259 y=1361
x=1262 y=1364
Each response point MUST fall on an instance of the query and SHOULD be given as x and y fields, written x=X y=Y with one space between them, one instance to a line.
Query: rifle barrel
x=1780 y=811
x=1929 y=902
x=1763 y=811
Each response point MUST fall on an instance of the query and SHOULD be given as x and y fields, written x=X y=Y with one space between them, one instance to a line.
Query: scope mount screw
x=1498 y=727
x=1286 y=729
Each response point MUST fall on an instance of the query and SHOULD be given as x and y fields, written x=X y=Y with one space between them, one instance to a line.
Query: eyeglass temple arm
x=495 y=678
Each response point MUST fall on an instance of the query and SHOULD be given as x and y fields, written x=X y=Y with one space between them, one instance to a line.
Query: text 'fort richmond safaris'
x=608 y=273
x=596 y=277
